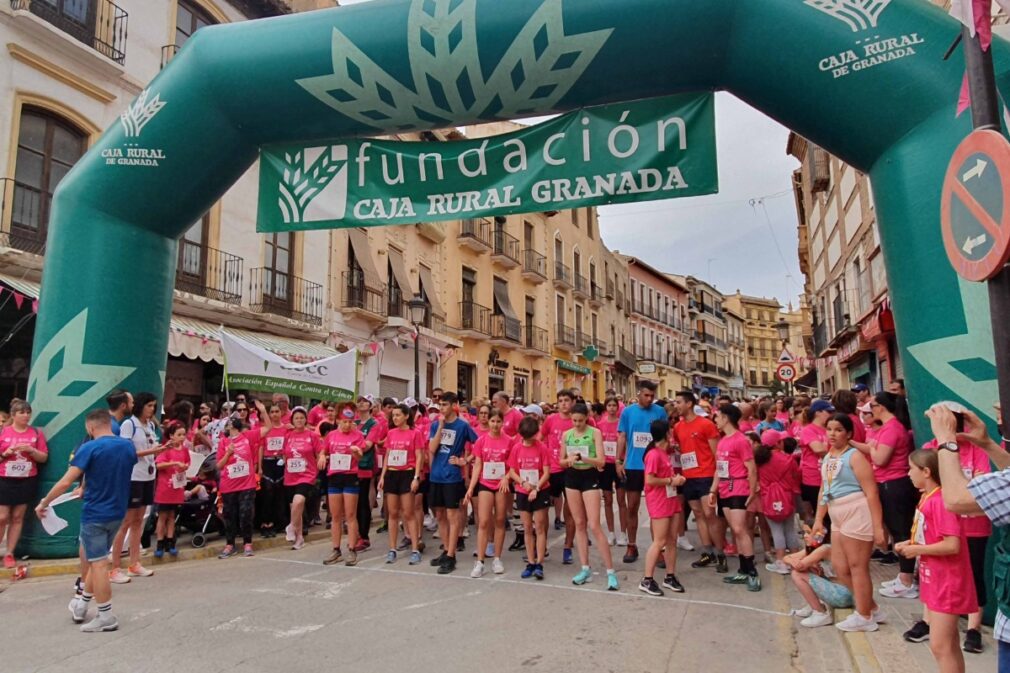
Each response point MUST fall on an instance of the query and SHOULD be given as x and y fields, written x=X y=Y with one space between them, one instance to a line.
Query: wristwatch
x=949 y=446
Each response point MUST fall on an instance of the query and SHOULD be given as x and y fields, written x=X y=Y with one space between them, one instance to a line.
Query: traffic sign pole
x=985 y=115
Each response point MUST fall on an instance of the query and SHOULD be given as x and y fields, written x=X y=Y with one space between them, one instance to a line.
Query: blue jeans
x=97 y=538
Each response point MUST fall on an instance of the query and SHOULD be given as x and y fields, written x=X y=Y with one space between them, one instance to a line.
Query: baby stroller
x=202 y=516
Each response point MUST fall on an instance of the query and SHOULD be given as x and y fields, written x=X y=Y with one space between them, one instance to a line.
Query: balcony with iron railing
x=564 y=336
x=534 y=266
x=505 y=250
x=619 y=300
x=605 y=349
x=474 y=319
x=100 y=24
x=610 y=288
x=167 y=53
x=562 y=276
x=208 y=272
x=536 y=340
x=582 y=340
x=506 y=331
x=282 y=294
x=581 y=285
x=626 y=358
x=475 y=233
x=821 y=344
x=363 y=297
x=595 y=294
x=24 y=212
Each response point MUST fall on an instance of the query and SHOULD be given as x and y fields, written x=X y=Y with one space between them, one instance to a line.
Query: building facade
x=761 y=317
x=710 y=367
x=736 y=353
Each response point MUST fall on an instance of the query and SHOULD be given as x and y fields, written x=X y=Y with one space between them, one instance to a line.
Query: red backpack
x=778 y=501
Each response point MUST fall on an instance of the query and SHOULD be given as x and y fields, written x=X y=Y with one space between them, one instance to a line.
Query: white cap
x=410 y=402
x=533 y=409
x=700 y=411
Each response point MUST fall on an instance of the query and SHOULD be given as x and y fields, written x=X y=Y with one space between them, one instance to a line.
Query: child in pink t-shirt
x=665 y=510
x=946 y=586
x=170 y=487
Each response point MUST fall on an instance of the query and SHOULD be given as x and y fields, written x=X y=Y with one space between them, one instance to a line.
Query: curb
x=859 y=649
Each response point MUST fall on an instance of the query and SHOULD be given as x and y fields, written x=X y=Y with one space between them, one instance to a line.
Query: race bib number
x=448 y=437
x=689 y=461
x=722 y=469
x=573 y=449
x=671 y=491
x=920 y=528
x=532 y=476
x=19 y=469
x=493 y=470
x=610 y=449
x=296 y=465
x=239 y=470
x=179 y=480
x=640 y=440
x=831 y=467
x=340 y=462
x=275 y=444
x=397 y=457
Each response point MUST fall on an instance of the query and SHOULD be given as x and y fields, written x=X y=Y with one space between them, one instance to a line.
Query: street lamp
x=418 y=311
x=783 y=328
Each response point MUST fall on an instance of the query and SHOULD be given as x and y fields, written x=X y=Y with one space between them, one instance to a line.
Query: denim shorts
x=97 y=538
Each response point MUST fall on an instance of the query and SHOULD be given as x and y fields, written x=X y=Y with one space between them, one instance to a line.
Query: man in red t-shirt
x=698 y=438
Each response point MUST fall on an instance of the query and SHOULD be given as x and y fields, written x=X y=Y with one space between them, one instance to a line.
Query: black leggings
x=272 y=498
x=364 y=507
x=897 y=501
x=976 y=554
x=239 y=508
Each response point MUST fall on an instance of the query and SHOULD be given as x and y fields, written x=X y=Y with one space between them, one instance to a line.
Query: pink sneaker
x=137 y=570
x=9 y=561
x=117 y=576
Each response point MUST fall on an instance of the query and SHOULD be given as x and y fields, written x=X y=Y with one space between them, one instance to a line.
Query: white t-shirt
x=143 y=438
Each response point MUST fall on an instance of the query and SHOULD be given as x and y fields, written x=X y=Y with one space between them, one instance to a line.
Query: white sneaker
x=289 y=533
x=611 y=539
x=497 y=567
x=117 y=576
x=684 y=543
x=890 y=582
x=856 y=622
x=430 y=523
x=466 y=532
x=137 y=570
x=899 y=590
x=817 y=619
x=804 y=612
x=101 y=622
x=879 y=616
x=299 y=544
x=478 y=569
x=622 y=539
x=779 y=567
x=78 y=610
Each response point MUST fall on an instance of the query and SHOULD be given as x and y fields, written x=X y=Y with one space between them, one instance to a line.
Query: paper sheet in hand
x=52 y=523
x=195 y=461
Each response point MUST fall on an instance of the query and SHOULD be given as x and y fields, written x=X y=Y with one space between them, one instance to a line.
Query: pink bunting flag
x=374 y=347
x=35 y=306
x=18 y=299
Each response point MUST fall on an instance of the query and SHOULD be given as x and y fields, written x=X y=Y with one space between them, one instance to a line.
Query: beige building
x=761 y=316
x=736 y=352
x=710 y=366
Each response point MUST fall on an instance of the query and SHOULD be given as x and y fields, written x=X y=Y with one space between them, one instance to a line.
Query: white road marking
x=237 y=625
x=144 y=613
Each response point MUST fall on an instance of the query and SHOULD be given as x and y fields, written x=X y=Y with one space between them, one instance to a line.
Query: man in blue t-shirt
x=447 y=442
x=633 y=437
x=120 y=407
x=106 y=464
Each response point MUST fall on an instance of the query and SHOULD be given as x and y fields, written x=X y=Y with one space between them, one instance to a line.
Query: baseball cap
x=410 y=401
x=533 y=409
x=864 y=408
x=700 y=411
x=860 y=388
x=772 y=437
x=821 y=405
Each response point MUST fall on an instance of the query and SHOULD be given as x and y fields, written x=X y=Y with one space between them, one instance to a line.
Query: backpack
x=777 y=498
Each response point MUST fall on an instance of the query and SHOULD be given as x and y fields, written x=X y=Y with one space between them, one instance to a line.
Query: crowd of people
x=829 y=486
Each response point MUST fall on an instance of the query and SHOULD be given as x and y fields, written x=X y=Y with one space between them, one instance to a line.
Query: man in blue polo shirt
x=446 y=447
x=633 y=437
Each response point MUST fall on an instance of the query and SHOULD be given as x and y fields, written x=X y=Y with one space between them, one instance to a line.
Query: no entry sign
x=974 y=213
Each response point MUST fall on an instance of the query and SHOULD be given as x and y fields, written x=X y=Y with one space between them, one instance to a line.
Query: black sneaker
x=558 y=525
x=437 y=561
x=888 y=559
x=919 y=633
x=518 y=543
x=649 y=586
x=632 y=554
x=721 y=565
x=705 y=561
x=671 y=583
x=447 y=565
x=460 y=544
x=973 y=641
x=877 y=555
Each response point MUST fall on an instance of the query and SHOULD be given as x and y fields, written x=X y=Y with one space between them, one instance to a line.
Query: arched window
x=48 y=147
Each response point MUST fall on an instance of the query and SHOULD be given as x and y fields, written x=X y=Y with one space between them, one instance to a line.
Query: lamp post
x=418 y=311
x=783 y=329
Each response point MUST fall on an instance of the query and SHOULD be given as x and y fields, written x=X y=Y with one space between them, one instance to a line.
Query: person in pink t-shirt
x=22 y=450
x=607 y=424
x=342 y=449
x=400 y=481
x=317 y=414
x=665 y=510
x=488 y=478
x=302 y=447
x=240 y=463
x=170 y=487
x=529 y=470
x=946 y=585
x=813 y=441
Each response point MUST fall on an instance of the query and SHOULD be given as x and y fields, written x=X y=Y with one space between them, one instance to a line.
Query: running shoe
x=391 y=556
x=173 y=552
x=730 y=549
x=973 y=641
x=437 y=561
x=721 y=566
x=415 y=558
x=612 y=582
x=888 y=559
x=622 y=539
x=584 y=575
x=890 y=582
x=289 y=533
x=684 y=543
x=856 y=622
x=527 y=571
x=352 y=558
x=227 y=552
x=566 y=557
x=101 y=622
x=117 y=576
x=518 y=543
x=879 y=616
x=334 y=558
x=877 y=555
x=632 y=554
x=497 y=567
x=538 y=571
x=738 y=578
x=363 y=545
x=430 y=523
x=448 y=565
x=899 y=590
x=383 y=528
x=753 y=583
x=803 y=612
x=611 y=539
x=779 y=567
x=404 y=544
x=649 y=586
x=816 y=619
x=247 y=551
x=299 y=544
x=9 y=561
x=919 y=633
x=78 y=610
x=489 y=549
x=159 y=552
x=137 y=570
x=557 y=524
x=478 y=569
x=673 y=584
x=705 y=561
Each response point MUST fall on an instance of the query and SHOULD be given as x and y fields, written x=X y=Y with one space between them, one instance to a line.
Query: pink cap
x=772 y=437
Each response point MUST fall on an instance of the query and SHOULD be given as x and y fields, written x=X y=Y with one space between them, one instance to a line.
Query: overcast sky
x=723 y=238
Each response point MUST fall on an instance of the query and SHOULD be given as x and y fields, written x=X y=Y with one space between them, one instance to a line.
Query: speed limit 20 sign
x=786 y=372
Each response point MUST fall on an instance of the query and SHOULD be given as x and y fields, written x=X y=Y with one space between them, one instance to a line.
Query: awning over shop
x=26 y=287
x=399 y=268
x=428 y=285
x=199 y=340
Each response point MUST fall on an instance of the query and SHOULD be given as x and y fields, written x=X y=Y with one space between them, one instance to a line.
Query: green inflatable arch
x=864 y=79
